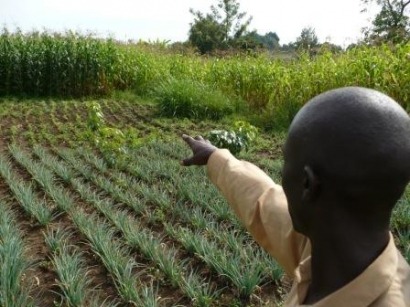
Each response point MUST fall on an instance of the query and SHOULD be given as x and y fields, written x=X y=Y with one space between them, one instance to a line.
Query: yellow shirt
x=262 y=206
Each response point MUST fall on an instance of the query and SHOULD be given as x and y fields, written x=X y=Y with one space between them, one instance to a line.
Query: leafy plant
x=236 y=139
x=95 y=119
x=112 y=142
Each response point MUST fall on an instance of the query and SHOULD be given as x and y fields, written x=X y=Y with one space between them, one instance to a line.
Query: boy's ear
x=311 y=184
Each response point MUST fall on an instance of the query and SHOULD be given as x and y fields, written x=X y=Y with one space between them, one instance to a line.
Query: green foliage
x=269 y=41
x=228 y=15
x=70 y=267
x=95 y=120
x=226 y=139
x=192 y=99
x=193 y=86
x=391 y=24
x=112 y=142
x=24 y=194
x=13 y=262
x=54 y=64
x=222 y=29
x=307 y=39
x=237 y=139
x=206 y=34
x=246 y=130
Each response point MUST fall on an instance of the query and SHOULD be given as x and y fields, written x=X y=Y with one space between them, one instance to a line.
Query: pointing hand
x=201 y=148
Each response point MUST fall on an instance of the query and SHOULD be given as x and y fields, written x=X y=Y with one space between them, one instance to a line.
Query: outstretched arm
x=257 y=201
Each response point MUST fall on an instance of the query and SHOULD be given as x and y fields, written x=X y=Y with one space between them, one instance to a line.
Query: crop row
x=13 y=263
x=191 y=238
x=113 y=254
x=169 y=215
x=241 y=276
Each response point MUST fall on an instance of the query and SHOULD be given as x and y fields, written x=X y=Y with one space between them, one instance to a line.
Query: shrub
x=192 y=99
x=235 y=140
x=112 y=142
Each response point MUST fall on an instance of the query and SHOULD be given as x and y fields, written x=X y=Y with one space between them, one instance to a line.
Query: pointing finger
x=189 y=140
x=187 y=162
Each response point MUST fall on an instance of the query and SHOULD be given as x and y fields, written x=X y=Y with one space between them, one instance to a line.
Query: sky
x=337 y=21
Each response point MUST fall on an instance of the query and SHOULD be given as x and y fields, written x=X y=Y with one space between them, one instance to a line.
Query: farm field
x=77 y=231
x=150 y=234
x=266 y=89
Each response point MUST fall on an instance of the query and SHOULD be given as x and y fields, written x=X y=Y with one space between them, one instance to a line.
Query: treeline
x=225 y=27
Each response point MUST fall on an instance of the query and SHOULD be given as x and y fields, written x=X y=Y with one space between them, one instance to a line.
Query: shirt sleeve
x=260 y=204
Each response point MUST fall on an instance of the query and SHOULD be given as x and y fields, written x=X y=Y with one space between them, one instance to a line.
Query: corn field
x=74 y=65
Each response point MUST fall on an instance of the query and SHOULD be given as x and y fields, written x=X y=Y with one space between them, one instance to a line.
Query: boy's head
x=348 y=151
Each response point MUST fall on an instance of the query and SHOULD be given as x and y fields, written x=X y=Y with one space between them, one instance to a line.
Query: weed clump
x=192 y=99
x=112 y=142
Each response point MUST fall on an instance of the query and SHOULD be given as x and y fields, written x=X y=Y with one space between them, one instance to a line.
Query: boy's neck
x=340 y=254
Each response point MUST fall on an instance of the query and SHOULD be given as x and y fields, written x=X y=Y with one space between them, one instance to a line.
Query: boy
x=346 y=163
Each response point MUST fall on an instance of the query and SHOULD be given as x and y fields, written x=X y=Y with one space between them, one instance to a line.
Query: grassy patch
x=192 y=99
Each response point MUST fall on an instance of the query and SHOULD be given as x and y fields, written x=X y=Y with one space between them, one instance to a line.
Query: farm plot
x=158 y=238
x=79 y=232
x=150 y=233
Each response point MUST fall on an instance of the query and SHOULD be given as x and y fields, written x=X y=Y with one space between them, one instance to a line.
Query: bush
x=236 y=139
x=113 y=143
x=192 y=99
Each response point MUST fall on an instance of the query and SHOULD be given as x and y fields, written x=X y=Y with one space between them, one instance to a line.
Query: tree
x=330 y=47
x=206 y=33
x=227 y=14
x=307 y=39
x=223 y=28
x=269 y=41
x=391 y=23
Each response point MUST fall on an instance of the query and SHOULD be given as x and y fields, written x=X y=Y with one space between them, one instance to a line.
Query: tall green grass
x=70 y=64
x=187 y=98
x=13 y=262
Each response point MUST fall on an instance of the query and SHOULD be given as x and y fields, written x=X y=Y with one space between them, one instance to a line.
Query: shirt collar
x=361 y=291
